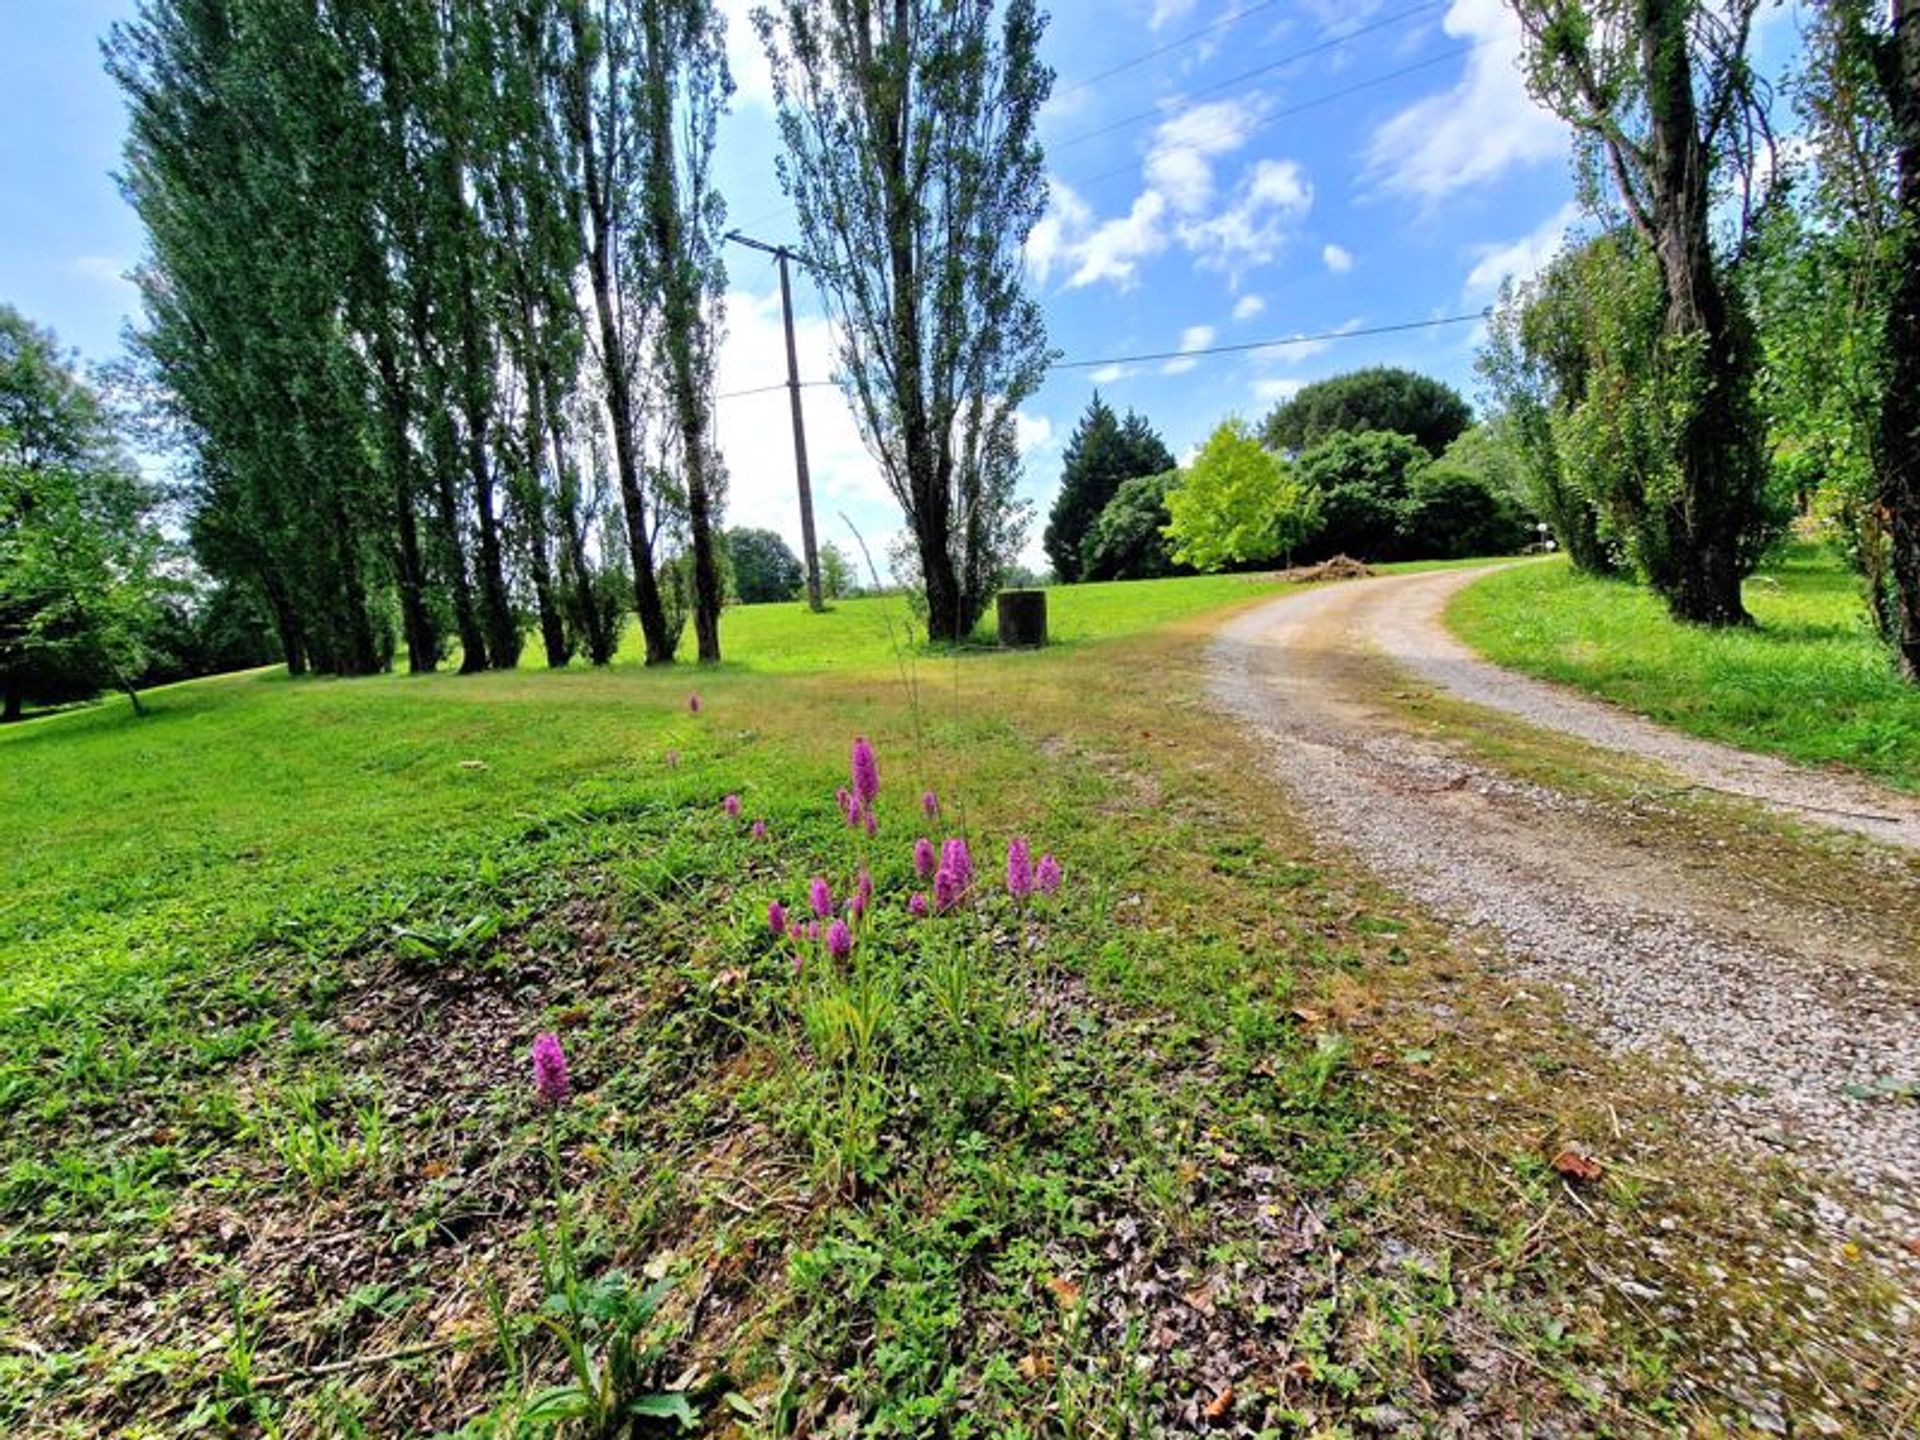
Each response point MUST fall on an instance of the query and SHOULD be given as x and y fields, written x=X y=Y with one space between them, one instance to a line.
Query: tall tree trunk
x=533 y=520
x=360 y=656
x=1709 y=517
x=1900 y=402
x=681 y=323
x=16 y=700
x=444 y=447
x=614 y=359
x=416 y=615
x=503 y=631
x=579 y=571
x=293 y=642
x=932 y=501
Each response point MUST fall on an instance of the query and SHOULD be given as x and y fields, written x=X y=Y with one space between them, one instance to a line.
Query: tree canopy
x=1129 y=540
x=1380 y=398
x=764 y=567
x=1237 y=504
x=79 y=583
x=1102 y=454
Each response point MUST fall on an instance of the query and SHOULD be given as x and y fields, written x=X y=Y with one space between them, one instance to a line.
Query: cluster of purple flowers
x=549 y=1070
x=949 y=867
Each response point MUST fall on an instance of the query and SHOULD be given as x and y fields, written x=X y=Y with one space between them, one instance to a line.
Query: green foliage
x=1453 y=513
x=1379 y=398
x=1600 y=399
x=1669 y=411
x=764 y=569
x=839 y=577
x=1362 y=484
x=1129 y=541
x=1102 y=454
x=79 y=587
x=911 y=153
x=1237 y=504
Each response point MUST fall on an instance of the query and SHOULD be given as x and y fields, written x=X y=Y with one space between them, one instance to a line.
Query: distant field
x=1810 y=682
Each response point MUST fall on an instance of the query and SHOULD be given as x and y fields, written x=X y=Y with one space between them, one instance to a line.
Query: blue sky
x=1307 y=167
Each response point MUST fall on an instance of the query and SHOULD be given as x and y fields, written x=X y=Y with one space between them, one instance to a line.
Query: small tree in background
x=764 y=568
x=1103 y=453
x=1129 y=540
x=1380 y=398
x=838 y=577
x=1237 y=504
x=79 y=586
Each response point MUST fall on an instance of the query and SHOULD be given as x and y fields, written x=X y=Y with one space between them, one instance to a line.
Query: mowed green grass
x=271 y=960
x=1810 y=681
x=241 y=801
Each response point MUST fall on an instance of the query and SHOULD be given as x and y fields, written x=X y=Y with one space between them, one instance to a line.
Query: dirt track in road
x=1657 y=904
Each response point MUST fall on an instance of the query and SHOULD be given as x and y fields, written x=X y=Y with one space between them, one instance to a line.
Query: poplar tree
x=910 y=152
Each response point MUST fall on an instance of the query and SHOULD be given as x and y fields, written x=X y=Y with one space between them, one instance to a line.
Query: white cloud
x=1298 y=350
x=1522 y=259
x=1179 y=203
x=1031 y=433
x=1336 y=258
x=1483 y=127
x=1274 y=389
x=1113 y=250
x=1051 y=241
x=755 y=432
x=746 y=57
x=103 y=270
x=1194 y=337
x=1180 y=157
x=1167 y=11
x=1109 y=374
x=1252 y=230
x=1248 y=306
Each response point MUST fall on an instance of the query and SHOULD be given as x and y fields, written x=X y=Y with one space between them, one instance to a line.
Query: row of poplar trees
x=432 y=298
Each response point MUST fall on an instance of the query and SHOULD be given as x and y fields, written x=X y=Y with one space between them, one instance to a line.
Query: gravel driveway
x=1799 y=1019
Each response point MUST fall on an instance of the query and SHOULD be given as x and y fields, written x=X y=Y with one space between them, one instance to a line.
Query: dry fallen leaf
x=1222 y=1403
x=1035 y=1366
x=1577 y=1166
x=1065 y=1292
x=1912 y=1242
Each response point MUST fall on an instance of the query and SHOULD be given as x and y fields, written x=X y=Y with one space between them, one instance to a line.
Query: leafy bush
x=1128 y=541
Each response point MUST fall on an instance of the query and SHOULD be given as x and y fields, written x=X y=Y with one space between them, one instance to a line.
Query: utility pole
x=807 y=542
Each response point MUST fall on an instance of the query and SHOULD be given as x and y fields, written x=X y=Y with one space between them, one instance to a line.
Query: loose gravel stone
x=1801 y=1047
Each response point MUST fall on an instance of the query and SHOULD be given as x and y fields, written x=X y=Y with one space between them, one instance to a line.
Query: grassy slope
x=1810 y=682
x=245 y=796
x=1210 y=1129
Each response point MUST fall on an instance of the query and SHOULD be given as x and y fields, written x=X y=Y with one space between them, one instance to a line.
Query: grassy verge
x=1221 y=1138
x=1810 y=682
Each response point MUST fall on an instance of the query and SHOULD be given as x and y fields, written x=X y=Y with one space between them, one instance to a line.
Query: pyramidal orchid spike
x=866 y=771
x=549 y=1070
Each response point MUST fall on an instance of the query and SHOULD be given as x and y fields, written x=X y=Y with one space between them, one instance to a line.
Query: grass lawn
x=1220 y=1138
x=1810 y=682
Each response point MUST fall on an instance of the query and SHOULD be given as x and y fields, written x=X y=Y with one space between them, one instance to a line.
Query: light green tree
x=1237 y=504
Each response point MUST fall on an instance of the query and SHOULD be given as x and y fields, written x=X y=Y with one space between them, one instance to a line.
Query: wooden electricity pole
x=807 y=542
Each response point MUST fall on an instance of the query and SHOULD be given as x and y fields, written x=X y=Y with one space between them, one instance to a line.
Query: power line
x=1319 y=100
x=1245 y=345
x=1239 y=348
x=1222 y=23
x=1245 y=75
